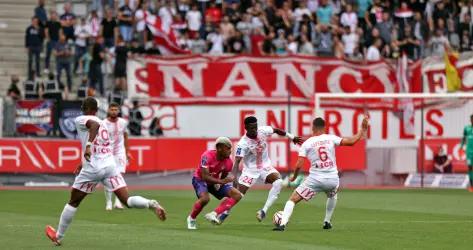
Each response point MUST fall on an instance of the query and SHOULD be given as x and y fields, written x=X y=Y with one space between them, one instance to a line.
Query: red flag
x=164 y=37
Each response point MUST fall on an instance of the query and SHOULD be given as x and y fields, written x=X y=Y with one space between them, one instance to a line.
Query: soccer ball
x=277 y=217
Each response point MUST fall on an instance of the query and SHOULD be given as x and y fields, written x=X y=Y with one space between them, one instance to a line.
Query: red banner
x=149 y=155
x=244 y=79
x=451 y=147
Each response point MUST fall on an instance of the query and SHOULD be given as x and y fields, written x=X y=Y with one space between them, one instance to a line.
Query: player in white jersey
x=98 y=166
x=119 y=137
x=253 y=150
x=323 y=173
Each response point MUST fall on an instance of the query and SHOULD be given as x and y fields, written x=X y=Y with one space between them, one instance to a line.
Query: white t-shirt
x=350 y=42
x=255 y=151
x=194 y=20
x=165 y=14
x=140 y=16
x=116 y=131
x=217 y=43
x=349 y=19
x=320 y=151
x=298 y=13
x=82 y=32
x=373 y=54
x=101 y=149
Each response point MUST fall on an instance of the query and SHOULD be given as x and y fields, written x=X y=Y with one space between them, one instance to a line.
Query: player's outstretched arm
x=210 y=179
x=350 y=141
x=295 y=139
x=93 y=128
x=299 y=164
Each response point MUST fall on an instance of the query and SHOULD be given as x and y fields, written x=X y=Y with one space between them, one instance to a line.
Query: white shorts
x=109 y=176
x=120 y=161
x=250 y=176
x=311 y=186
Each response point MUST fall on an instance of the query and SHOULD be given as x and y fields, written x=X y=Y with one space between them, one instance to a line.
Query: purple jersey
x=215 y=167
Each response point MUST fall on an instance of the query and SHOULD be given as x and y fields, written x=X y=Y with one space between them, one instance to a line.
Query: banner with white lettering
x=243 y=79
x=149 y=155
x=34 y=117
x=435 y=80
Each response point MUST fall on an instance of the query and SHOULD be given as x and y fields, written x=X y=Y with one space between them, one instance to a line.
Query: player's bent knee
x=278 y=183
x=295 y=197
x=204 y=199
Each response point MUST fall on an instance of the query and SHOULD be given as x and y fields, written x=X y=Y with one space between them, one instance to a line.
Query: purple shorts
x=201 y=186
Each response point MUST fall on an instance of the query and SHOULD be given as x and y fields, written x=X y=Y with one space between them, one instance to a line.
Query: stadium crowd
x=97 y=45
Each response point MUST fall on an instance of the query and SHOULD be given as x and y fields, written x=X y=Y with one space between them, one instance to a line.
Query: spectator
x=467 y=24
x=216 y=40
x=135 y=118
x=268 y=46
x=453 y=37
x=141 y=29
x=108 y=29
x=93 y=23
x=41 y=13
x=324 y=41
x=324 y=12
x=280 y=43
x=421 y=31
x=442 y=162
x=155 y=127
x=409 y=44
x=213 y=13
x=466 y=44
x=363 y=6
x=233 y=12
x=257 y=38
x=301 y=11
x=63 y=53
x=245 y=27
x=125 y=21
x=84 y=63
x=179 y=26
x=194 y=21
x=82 y=32
x=33 y=44
x=349 y=18
x=236 y=44
x=350 y=42
x=166 y=13
x=68 y=21
x=14 y=91
x=292 y=46
x=374 y=14
x=385 y=27
x=121 y=56
x=437 y=43
x=95 y=73
x=227 y=28
x=52 y=37
x=374 y=53
x=440 y=12
x=305 y=46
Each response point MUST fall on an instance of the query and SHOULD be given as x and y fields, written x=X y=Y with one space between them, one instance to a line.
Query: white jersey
x=320 y=151
x=101 y=150
x=255 y=151
x=116 y=130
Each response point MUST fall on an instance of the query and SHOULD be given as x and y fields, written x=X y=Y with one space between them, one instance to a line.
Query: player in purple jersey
x=211 y=176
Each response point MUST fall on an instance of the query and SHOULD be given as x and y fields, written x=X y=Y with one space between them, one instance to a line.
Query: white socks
x=138 y=202
x=66 y=218
x=331 y=202
x=287 y=212
x=273 y=194
x=108 y=196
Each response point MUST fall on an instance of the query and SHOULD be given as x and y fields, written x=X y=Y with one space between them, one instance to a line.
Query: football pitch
x=363 y=219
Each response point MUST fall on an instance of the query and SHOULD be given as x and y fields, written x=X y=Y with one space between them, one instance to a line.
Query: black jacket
x=33 y=37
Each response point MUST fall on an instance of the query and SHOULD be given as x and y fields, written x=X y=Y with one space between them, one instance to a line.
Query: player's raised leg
x=288 y=209
x=276 y=181
x=117 y=183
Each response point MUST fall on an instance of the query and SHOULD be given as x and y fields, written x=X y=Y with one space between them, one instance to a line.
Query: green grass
x=405 y=219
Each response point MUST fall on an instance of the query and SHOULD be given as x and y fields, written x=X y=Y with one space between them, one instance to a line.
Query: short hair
x=318 y=123
x=89 y=103
x=114 y=105
x=250 y=119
